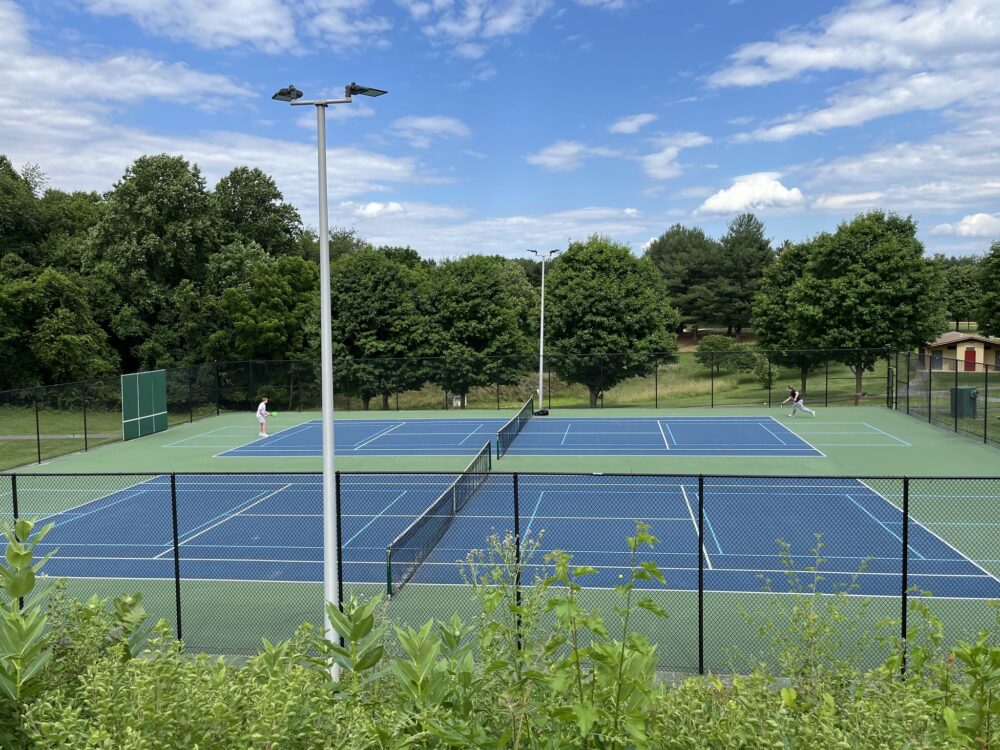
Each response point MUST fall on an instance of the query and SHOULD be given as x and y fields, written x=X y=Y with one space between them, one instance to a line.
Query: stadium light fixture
x=331 y=582
x=541 y=327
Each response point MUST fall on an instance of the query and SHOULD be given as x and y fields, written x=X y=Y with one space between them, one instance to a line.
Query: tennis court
x=543 y=436
x=268 y=528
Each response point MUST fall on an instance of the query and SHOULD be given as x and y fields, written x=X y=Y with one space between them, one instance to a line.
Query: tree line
x=163 y=271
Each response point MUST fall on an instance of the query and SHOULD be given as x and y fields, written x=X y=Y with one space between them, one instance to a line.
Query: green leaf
x=586 y=717
x=369 y=658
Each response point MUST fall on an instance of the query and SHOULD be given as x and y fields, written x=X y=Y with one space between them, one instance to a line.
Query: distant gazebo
x=969 y=352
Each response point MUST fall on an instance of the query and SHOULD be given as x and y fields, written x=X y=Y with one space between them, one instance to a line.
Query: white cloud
x=633 y=213
x=904 y=56
x=421 y=131
x=888 y=95
x=470 y=26
x=753 y=192
x=974 y=225
x=662 y=164
x=268 y=25
x=848 y=201
x=951 y=172
x=565 y=156
x=374 y=208
x=631 y=124
x=870 y=35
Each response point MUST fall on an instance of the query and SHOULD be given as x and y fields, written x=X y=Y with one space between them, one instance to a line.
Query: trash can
x=963 y=402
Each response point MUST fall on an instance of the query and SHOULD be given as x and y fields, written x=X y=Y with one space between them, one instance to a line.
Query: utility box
x=963 y=402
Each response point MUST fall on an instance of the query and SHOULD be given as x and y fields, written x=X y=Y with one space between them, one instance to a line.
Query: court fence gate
x=230 y=559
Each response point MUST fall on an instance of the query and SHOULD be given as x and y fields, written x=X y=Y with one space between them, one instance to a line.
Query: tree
x=258 y=306
x=158 y=227
x=744 y=254
x=379 y=325
x=868 y=287
x=47 y=333
x=20 y=223
x=688 y=261
x=252 y=209
x=718 y=353
x=962 y=289
x=988 y=309
x=484 y=312
x=776 y=319
x=601 y=300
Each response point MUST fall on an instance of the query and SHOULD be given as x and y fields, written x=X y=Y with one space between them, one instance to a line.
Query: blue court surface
x=269 y=528
x=544 y=436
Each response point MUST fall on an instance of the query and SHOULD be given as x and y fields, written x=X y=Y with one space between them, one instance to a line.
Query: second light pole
x=541 y=327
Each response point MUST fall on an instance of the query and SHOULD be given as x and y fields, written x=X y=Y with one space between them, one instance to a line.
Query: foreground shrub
x=536 y=669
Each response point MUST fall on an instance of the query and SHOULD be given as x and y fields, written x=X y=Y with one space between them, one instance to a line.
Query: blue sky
x=516 y=124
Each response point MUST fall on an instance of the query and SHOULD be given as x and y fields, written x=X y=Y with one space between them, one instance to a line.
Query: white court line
x=194 y=437
x=936 y=536
x=224 y=520
x=375 y=518
x=478 y=427
x=887 y=434
x=75 y=508
x=694 y=523
x=793 y=432
x=377 y=435
x=770 y=432
x=659 y=423
x=278 y=436
x=289 y=432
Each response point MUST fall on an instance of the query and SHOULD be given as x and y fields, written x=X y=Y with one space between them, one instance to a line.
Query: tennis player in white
x=262 y=415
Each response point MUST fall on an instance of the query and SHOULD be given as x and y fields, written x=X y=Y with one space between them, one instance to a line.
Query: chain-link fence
x=37 y=424
x=751 y=563
x=959 y=395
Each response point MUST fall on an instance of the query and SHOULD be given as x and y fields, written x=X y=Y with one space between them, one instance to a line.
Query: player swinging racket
x=796 y=398
x=262 y=415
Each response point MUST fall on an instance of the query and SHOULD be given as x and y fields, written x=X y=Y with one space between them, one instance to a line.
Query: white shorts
x=260 y=419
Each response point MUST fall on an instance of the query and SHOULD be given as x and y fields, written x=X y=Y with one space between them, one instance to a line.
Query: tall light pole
x=331 y=582
x=541 y=326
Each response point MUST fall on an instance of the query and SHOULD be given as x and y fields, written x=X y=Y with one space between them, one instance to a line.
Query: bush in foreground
x=539 y=670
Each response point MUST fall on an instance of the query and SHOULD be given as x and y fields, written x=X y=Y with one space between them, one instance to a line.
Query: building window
x=937 y=359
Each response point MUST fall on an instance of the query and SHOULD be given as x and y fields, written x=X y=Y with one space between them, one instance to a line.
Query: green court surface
x=855 y=441
x=231 y=617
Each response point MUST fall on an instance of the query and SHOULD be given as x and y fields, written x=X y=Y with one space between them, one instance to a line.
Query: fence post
x=86 y=444
x=17 y=514
x=498 y=394
x=701 y=574
x=340 y=548
x=906 y=565
x=190 y=370
x=770 y=379
x=986 y=405
x=930 y=389
x=908 y=382
x=826 y=380
x=955 y=395
x=656 y=386
x=517 y=557
x=711 y=370
x=38 y=427
x=177 y=553
x=548 y=395
x=217 y=388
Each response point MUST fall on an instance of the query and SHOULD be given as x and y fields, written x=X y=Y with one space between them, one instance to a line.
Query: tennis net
x=507 y=433
x=407 y=552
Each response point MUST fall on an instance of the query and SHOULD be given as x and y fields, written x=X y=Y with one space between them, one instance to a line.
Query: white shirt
x=262 y=410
